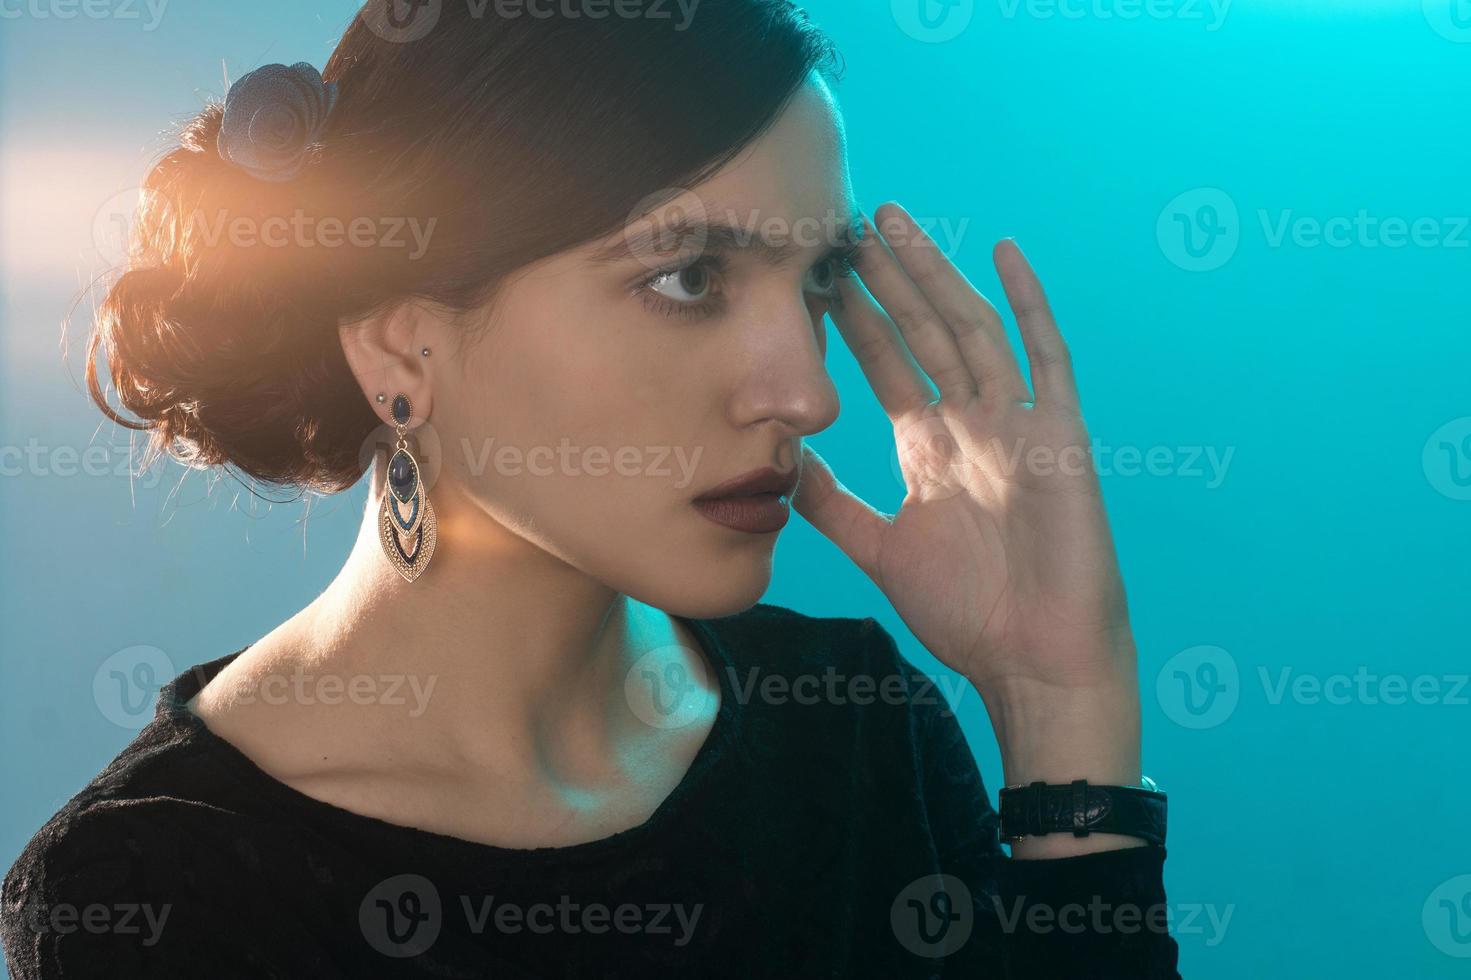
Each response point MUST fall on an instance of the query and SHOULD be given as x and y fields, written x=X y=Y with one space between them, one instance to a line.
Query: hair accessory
x=407 y=529
x=272 y=117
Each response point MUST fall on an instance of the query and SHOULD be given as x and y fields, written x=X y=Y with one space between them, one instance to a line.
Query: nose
x=784 y=380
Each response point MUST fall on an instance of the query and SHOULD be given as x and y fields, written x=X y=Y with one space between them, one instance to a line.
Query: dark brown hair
x=517 y=136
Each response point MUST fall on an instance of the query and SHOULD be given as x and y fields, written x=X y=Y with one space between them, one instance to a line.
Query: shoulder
x=113 y=880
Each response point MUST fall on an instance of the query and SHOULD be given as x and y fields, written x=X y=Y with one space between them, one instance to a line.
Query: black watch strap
x=1081 y=809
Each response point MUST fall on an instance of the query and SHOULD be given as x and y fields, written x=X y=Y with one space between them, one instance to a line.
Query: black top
x=832 y=827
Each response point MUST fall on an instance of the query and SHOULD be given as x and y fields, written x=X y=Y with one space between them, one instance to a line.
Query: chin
x=719 y=588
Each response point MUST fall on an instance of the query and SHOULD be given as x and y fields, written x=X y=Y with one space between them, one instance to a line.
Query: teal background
x=1334 y=835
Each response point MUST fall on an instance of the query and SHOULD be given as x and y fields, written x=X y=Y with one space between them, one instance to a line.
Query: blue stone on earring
x=403 y=476
x=402 y=411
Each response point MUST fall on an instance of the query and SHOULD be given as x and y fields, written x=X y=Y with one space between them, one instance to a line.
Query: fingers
x=922 y=326
x=845 y=520
x=1051 y=362
x=875 y=341
x=979 y=333
x=926 y=322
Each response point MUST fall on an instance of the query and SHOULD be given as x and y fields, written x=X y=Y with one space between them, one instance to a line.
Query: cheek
x=583 y=424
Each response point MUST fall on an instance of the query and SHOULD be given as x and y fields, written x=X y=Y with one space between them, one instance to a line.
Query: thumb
x=845 y=520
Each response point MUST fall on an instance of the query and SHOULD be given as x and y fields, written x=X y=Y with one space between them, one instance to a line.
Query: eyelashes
x=710 y=270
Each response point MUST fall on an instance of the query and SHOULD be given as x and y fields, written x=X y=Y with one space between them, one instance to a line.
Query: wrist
x=1058 y=734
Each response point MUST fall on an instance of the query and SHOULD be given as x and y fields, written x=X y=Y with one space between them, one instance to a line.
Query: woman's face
x=608 y=392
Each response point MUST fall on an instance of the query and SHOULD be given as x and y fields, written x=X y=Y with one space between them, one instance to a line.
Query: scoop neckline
x=173 y=710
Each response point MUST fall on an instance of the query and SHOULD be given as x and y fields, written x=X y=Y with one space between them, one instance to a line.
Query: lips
x=756 y=482
x=756 y=502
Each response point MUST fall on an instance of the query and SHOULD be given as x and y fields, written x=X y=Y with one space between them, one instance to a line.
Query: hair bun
x=227 y=352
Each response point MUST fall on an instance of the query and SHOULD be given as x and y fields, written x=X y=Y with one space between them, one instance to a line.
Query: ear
x=386 y=355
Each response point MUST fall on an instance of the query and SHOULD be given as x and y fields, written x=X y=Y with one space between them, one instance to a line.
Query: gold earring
x=406 y=526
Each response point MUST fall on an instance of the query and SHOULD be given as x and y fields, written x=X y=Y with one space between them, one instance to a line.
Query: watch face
x=1149 y=784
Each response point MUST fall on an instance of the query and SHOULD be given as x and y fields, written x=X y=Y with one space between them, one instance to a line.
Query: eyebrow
x=668 y=237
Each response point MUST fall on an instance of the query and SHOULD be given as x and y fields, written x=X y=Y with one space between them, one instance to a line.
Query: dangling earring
x=406 y=526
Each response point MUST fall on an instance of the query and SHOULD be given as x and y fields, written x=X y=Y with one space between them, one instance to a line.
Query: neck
x=526 y=654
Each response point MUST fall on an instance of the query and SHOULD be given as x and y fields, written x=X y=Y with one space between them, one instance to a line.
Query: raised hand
x=1000 y=559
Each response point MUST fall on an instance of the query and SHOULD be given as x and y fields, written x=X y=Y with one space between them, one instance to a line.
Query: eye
x=836 y=265
x=688 y=291
x=687 y=285
x=824 y=275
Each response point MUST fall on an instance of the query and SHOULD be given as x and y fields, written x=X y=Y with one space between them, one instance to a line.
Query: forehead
x=786 y=193
x=798 y=168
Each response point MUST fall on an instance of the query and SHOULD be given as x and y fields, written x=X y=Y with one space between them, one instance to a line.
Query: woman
x=539 y=724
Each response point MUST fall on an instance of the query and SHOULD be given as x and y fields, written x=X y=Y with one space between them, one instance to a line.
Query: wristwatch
x=1037 y=809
